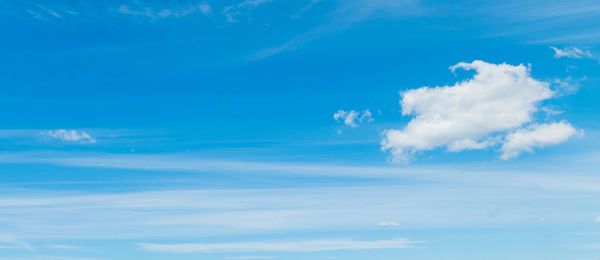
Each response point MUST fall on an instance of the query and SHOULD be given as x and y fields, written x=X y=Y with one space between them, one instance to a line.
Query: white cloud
x=296 y=246
x=388 y=223
x=597 y=219
x=69 y=136
x=471 y=114
x=524 y=140
x=571 y=52
x=352 y=118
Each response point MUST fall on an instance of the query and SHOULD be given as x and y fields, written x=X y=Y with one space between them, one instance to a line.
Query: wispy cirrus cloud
x=14 y=242
x=186 y=163
x=567 y=21
x=231 y=12
x=388 y=223
x=274 y=246
x=205 y=213
x=46 y=257
x=165 y=11
x=571 y=52
x=537 y=21
x=251 y=257
x=105 y=10
x=60 y=246
x=346 y=15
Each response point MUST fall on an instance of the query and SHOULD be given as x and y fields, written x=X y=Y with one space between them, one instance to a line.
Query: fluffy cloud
x=352 y=118
x=69 y=136
x=524 y=140
x=298 y=246
x=571 y=52
x=472 y=114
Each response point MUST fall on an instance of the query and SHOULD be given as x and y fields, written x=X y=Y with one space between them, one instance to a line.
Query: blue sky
x=314 y=129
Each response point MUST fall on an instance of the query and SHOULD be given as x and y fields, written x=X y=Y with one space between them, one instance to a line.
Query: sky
x=309 y=129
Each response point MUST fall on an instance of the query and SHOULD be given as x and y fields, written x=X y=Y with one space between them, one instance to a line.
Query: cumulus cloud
x=352 y=118
x=297 y=246
x=69 y=136
x=524 y=140
x=470 y=115
x=571 y=52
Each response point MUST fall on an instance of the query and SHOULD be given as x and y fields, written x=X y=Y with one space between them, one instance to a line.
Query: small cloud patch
x=352 y=118
x=571 y=52
x=72 y=136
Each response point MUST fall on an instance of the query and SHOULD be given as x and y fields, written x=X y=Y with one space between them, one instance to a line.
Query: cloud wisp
x=474 y=114
x=347 y=14
x=164 y=11
x=231 y=12
x=12 y=242
x=58 y=246
x=544 y=178
x=571 y=52
x=105 y=10
x=295 y=246
x=388 y=223
x=206 y=214
x=251 y=257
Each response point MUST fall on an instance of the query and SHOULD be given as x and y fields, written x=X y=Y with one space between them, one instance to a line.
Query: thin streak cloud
x=296 y=246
